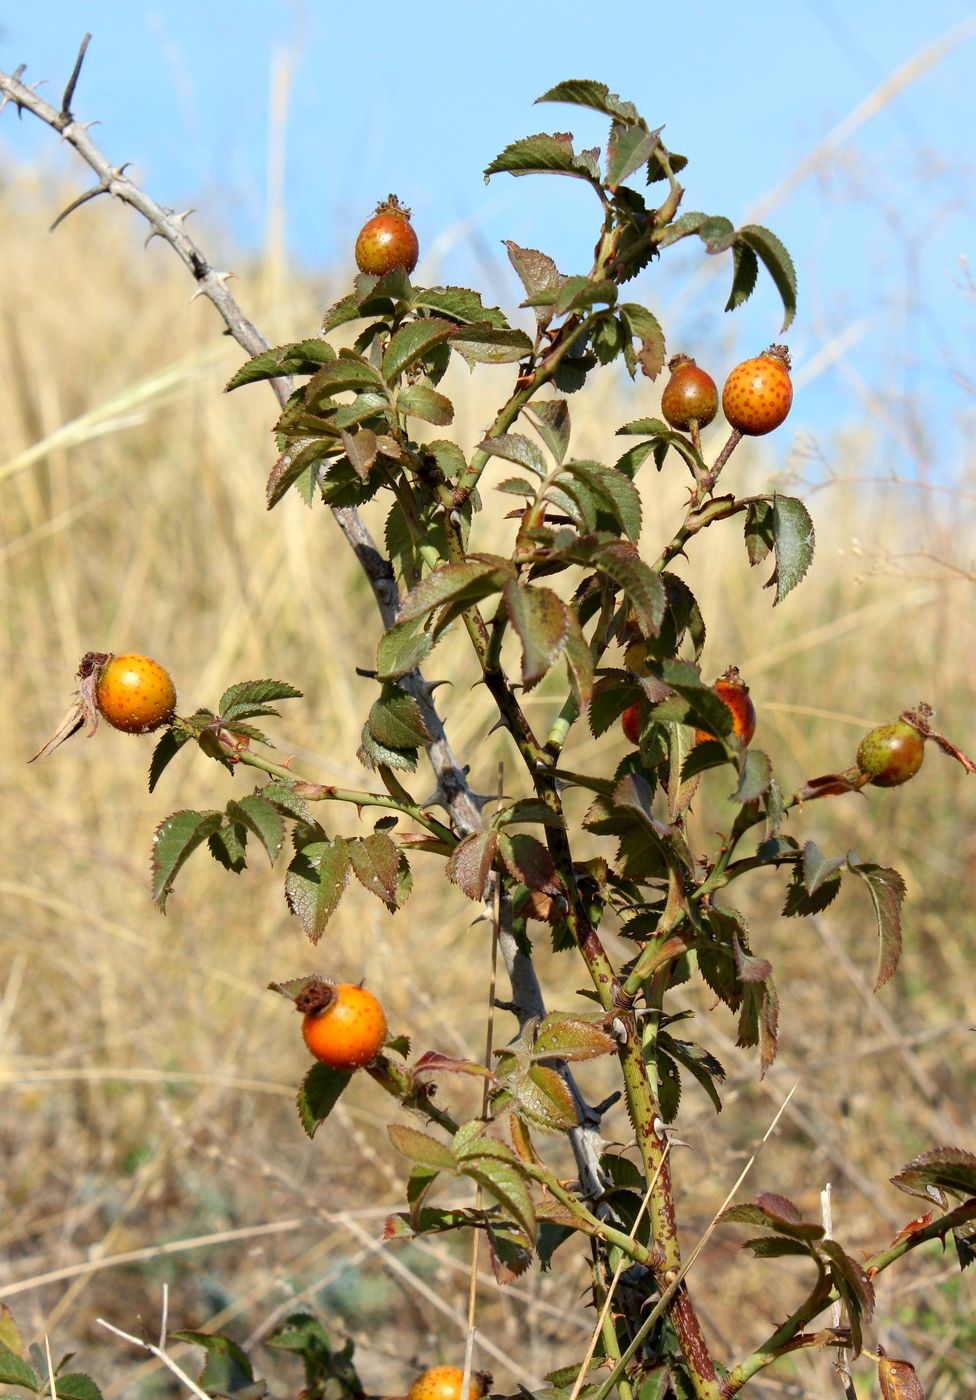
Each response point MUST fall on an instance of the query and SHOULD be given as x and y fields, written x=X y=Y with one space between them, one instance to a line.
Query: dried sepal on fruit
x=131 y=692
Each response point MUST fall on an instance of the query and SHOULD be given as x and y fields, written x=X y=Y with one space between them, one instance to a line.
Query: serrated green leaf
x=799 y=903
x=287 y=801
x=778 y=264
x=585 y=92
x=817 y=867
x=376 y=865
x=759 y=531
x=745 y=270
x=300 y=357
x=717 y=233
x=482 y=344
x=643 y=326
x=301 y=457
x=514 y=447
x=412 y=342
x=887 y=890
x=544 y=1099
x=228 y=846
x=455 y=587
x=628 y=148
x=565 y=1036
x=793 y=540
x=396 y=721
x=169 y=745
x=373 y=754
x=460 y=304
x=227 y=1370
x=545 y=155
x=315 y=883
x=538 y=274
x=501 y=1176
x=773 y=1212
x=656 y=170
x=580 y=293
x=681 y=228
x=14 y=1370
x=698 y=1061
x=940 y=1169
x=75 y=1385
x=540 y=619
x=360 y=450
x=754 y=777
x=420 y=401
x=350 y=372
x=340 y=313
x=616 y=492
x=421 y=1148
x=371 y=404
x=402 y=649
x=551 y=420
x=239 y=701
x=515 y=486
x=644 y=589
x=260 y=816
x=175 y=840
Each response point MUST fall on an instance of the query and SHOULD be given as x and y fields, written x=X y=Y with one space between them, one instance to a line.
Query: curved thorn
x=77 y=203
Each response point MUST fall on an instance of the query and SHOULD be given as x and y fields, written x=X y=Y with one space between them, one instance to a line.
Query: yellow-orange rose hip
x=135 y=694
x=759 y=392
x=343 y=1025
x=444 y=1383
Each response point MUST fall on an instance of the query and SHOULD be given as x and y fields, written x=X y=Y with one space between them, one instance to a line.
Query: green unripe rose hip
x=891 y=754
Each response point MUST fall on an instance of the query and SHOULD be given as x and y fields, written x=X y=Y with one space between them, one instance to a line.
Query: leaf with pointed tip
x=175 y=840
x=299 y=457
x=376 y=865
x=564 y=1036
x=15 y=1370
x=455 y=587
x=239 y=701
x=514 y=447
x=228 y=847
x=402 y=649
x=227 y=1371
x=759 y=531
x=580 y=293
x=421 y=401
x=793 y=540
x=76 y=1386
x=320 y=1091
x=585 y=92
x=682 y=227
x=169 y=745
x=396 y=721
x=887 y=890
x=412 y=342
x=360 y=450
x=551 y=419
x=509 y=1251
x=817 y=867
x=540 y=619
x=516 y=486
x=543 y=154
x=528 y=861
x=755 y=776
x=699 y=1062
x=579 y=661
x=778 y=264
x=371 y=404
x=543 y=1098
x=853 y=1286
x=656 y=170
x=286 y=801
x=616 y=492
x=643 y=326
x=469 y=865
x=773 y=1212
x=538 y=273
x=759 y=1021
x=349 y=373
x=940 y=1169
x=482 y=344
x=800 y=903
x=373 y=754
x=315 y=883
x=745 y=270
x=628 y=148
x=300 y=357
x=898 y=1380
x=776 y=1247
x=644 y=589
x=421 y=1148
x=460 y=304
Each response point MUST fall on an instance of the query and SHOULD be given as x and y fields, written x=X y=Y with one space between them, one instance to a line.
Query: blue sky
x=419 y=98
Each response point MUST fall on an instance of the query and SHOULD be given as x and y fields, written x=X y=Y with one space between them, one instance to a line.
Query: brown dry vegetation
x=147 y=1078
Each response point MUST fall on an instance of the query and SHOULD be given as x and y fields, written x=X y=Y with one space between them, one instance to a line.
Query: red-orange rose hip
x=690 y=395
x=630 y=723
x=891 y=754
x=734 y=695
x=759 y=392
x=387 y=240
x=134 y=693
x=343 y=1025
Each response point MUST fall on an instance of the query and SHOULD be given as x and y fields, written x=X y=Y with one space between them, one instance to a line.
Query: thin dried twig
x=158 y=1349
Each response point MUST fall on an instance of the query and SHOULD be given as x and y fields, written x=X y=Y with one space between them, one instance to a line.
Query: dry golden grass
x=148 y=1078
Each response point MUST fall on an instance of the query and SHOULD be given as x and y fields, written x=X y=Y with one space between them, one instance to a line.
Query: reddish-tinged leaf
x=434 y=1063
x=941 y=1169
x=376 y=865
x=887 y=890
x=360 y=450
x=776 y=1213
x=457 y=586
x=510 y=1252
x=898 y=1379
x=528 y=861
x=541 y=620
x=421 y=1148
x=471 y=861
